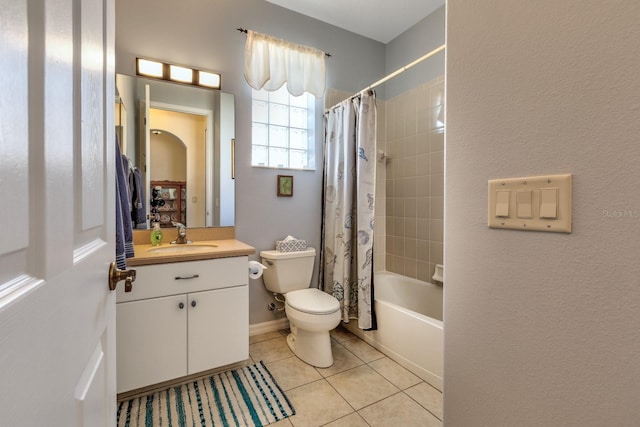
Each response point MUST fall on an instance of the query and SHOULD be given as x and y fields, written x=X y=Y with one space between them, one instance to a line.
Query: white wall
x=543 y=329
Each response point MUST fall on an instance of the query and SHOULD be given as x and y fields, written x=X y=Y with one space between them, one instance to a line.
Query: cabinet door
x=218 y=328
x=151 y=341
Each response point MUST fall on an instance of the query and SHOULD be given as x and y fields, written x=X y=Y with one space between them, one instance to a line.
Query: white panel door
x=145 y=147
x=57 y=317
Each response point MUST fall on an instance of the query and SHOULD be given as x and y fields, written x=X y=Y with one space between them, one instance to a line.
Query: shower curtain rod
x=398 y=71
x=244 y=30
x=405 y=68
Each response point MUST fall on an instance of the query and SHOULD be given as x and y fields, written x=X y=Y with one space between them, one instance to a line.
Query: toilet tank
x=287 y=271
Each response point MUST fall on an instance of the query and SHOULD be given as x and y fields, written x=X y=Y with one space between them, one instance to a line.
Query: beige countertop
x=146 y=254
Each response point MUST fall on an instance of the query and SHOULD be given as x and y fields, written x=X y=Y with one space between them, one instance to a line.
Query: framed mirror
x=183 y=134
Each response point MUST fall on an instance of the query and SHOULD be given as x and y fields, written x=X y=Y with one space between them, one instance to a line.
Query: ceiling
x=380 y=20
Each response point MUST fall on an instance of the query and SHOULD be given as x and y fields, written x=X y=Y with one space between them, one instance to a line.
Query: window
x=283 y=131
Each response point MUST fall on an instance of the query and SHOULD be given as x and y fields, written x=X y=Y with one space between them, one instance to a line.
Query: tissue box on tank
x=291 y=245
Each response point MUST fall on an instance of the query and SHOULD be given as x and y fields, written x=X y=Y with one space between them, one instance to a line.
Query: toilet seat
x=312 y=301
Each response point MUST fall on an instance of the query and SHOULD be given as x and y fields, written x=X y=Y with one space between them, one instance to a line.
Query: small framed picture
x=285 y=185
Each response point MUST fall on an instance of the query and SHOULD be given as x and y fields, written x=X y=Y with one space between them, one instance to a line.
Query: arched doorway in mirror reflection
x=178 y=157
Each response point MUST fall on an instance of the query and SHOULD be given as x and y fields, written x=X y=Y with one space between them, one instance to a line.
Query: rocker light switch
x=502 y=203
x=531 y=203
x=549 y=203
x=523 y=203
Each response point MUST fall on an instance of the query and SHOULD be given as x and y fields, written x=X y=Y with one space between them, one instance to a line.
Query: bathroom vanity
x=188 y=312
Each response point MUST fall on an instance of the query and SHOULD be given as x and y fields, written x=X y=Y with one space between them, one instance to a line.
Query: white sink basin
x=182 y=249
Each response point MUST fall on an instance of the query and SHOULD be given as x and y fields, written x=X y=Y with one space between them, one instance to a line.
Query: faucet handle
x=182 y=232
x=182 y=229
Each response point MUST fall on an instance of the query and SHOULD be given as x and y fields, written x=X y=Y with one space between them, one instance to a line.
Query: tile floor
x=362 y=388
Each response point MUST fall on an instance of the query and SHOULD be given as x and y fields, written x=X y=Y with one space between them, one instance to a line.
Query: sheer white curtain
x=270 y=62
x=349 y=198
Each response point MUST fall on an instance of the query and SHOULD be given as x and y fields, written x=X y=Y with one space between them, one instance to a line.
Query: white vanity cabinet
x=180 y=319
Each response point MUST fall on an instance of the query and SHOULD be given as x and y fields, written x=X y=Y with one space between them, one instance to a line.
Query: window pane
x=259 y=157
x=281 y=96
x=298 y=159
x=301 y=101
x=278 y=158
x=260 y=134
x=298 y=117
x=260 y=111
x=299 y=139
x=261 y=95
x=279 y=114
x=278 y=136
x=281 y=129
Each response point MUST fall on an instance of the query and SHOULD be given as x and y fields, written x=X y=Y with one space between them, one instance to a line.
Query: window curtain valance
x=270 y=62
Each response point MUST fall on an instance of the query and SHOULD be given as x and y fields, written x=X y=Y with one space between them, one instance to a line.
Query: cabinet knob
x=181 y=305
x=193 y=303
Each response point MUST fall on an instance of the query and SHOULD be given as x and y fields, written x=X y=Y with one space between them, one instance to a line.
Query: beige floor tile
x=398 y=410
x=427 y=396
x=317 y=404
x=264 y=337
x=270 y=350
x=292 y=372
x=396 y=374
x=340 y=335
x=343 y=359
x=352 y=420
x=363 y=350
x=362 y=386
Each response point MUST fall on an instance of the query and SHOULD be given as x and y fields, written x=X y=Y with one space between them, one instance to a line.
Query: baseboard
x=270 y=326
x=353 y=328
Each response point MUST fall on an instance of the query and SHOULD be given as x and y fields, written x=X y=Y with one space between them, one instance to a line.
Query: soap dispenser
x=156 y=234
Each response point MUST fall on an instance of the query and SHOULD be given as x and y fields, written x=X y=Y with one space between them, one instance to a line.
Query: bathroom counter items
x=207 y=243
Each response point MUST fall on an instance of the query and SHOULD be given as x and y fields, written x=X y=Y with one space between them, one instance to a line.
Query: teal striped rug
x=247 y=396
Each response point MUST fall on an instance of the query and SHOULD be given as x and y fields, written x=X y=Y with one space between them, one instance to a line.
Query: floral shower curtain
x=348 y=207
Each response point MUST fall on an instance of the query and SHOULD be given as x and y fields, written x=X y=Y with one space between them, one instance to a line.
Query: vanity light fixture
x=180 y=74
x=177 y=73
x=211 y=80
x=144 y=67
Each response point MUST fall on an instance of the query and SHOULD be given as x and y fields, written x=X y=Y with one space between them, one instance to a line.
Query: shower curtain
x=348 y=207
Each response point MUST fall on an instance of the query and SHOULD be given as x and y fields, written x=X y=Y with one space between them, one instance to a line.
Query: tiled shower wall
x=415 y=180
x=410 y=180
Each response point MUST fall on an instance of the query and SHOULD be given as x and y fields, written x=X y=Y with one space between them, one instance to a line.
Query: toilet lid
x=312 y=301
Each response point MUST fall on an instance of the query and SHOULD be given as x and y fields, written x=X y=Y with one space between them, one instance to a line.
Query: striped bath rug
x=247 y=396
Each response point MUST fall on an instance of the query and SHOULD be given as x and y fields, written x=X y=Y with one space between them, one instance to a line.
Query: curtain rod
x=395 y=73
x=244 y=30
x=405 y=68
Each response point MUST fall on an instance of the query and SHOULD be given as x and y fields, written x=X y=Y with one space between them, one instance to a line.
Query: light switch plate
x=561 y=224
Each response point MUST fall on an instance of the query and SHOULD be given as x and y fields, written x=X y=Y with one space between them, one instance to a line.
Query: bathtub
x=409 y=315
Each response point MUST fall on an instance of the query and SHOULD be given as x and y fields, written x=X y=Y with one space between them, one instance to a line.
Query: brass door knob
x=116 y=275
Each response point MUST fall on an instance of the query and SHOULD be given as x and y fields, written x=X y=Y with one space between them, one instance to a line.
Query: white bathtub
x=409 y=315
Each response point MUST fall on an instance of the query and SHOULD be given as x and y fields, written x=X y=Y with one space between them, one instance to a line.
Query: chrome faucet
x=182 y=234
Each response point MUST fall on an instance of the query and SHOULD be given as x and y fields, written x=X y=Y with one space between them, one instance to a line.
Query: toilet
x=311 y=312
